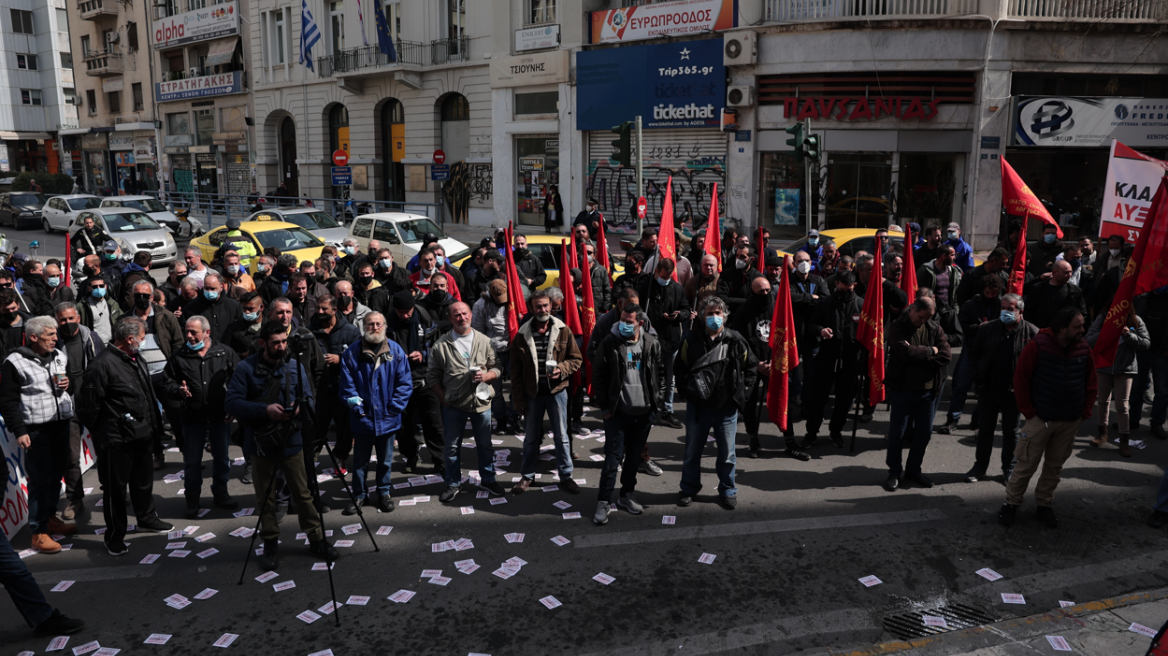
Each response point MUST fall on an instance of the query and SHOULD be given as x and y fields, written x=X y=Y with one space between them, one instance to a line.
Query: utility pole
x=640 y=179
x=807 y=174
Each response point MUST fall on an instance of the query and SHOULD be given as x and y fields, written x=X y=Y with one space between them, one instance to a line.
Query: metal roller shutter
x=696 y=158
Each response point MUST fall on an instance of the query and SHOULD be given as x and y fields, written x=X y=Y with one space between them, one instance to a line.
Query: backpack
x=705 y=375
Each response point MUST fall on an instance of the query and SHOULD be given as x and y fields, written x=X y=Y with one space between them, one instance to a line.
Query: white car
x=60 y=211
x=134 y=231
x=314 y=220
x=157 y=211
x=402 y=234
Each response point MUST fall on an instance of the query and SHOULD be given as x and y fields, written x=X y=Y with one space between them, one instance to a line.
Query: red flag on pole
x=871 y=331
x=516 y=305
x=759 y=256
x=571 y=312
x=68 y=262
x=666 y=240
x=587 y=317
x=784 y=351
x=602 y=246
x=908 y=277
x=1018 y=267
x=572 y=262
x=1020 y=201
x=713 y=243
x=1144 y=272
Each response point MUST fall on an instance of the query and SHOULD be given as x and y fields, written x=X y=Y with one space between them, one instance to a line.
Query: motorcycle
x=351 y=210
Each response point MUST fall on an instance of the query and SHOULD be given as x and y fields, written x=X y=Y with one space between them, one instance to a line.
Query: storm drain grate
x=912 y=625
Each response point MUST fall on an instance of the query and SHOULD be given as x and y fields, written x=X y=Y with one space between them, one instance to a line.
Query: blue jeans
x=453 y=421
x=962 y=383
x=1154 y=373
x=668 y=356
x=919 y=406
x=624 y=440
x=194 y=435
x=363 y=447
x=20 y=584
x=46 y=461
x=556 y=406
x=698 y=423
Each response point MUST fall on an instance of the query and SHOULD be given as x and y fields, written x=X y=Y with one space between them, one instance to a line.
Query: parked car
x=547 y=249
x=402 y=234
x=288 y=237
x=314 y=220
x=157 y=211
x=21 y=208
x=60 y=211
x=134 y=231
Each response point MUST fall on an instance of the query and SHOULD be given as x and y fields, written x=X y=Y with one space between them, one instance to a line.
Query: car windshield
x=25 y=200
x=129 y=222
x=312 y=220
x=413 y=230
x=287 y=239
x=145 y=204
x=78 y=204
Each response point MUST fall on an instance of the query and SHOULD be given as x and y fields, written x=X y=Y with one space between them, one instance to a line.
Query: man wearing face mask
x=333 y=334
x=80 y=346
x=813 y=249
x=531 y=271
x=963 y=252
x=491 y=270
x=137 y=269
x=839 y=361
x=994 y=356
x=413 y=328
x=633 y=274
x=590 y=218
x=196 y=376
x=1081 y=275
x=1048 y=249
x=807 y=288
x=601 y=282
x=264 y=265
x=370 y=256
x=58 y=291
x=367 y=291
x=490 y=319
x=97 y=313
x=391 y=276
x=164 y=336
x=348 y=306
x=1052 y=292
x=350 y=251
x=245 y=333
x=219 y=310
x=171 y=286
x=276 y=284
x=705 y=284
x=428 y=271
x=237 y=280
x=320 y=273
x=734 y=283
x=667 y=310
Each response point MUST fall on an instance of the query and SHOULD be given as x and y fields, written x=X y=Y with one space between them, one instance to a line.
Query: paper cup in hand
x=551 y=367
x=483 y=391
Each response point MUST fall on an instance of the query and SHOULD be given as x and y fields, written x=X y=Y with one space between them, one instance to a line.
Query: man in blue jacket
x=266 y=393
x=376 y=384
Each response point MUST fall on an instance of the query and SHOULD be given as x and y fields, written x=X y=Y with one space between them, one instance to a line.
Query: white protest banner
x=1132 y=180
x=14 y=510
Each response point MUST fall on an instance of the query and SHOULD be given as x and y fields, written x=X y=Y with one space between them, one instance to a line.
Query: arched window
x=393 y=134
x=455 y=108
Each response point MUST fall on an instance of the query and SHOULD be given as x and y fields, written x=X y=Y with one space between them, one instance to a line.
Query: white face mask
x=803 y=268
x=1114 y=252
x=740 y=264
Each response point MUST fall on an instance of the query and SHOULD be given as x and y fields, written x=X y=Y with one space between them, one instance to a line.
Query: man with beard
x=164 y=336
x=348 y=306
x=895 y=299
x=276 y=284
x=172 y=285
x=81 y=346
x=927 y=252
x=367 y=291
x=219 y=310
x=531 y=271
x=490 y=271
x=839 y=361
x=414 y=330
x=333 y=334
x=667 y=310
x=303 y=303
x=370 y=256
x=734 y=283
x=705 y=284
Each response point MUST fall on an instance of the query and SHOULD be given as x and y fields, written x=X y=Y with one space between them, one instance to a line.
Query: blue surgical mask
x=627 y=330
x=99 y=292
x=386 y=263
x=196 y=347
x=714 y=322
x=1049 y=237
x=251 y=316
x=814 y=241
x=1008 y=317
x=350 y=250
x=210 y=295
x=664 y=282
x=260 y=267
x=53 y=281
x=952 y=236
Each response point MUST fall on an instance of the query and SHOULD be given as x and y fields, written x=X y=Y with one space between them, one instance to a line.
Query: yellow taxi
x=288 y=237
x=850 y=241
x=547 y=249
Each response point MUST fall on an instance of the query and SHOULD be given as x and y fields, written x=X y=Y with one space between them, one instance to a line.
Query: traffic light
x=796 y=140
x=622 y=146
x=811 y=148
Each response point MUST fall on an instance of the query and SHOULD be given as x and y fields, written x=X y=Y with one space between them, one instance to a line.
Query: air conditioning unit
x=76 y=100
x=112 y=37
x=740 y=96
x=740 y=48
x=195 y=72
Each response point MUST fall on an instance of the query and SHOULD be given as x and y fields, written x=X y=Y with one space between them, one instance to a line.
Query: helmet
x=233 y=224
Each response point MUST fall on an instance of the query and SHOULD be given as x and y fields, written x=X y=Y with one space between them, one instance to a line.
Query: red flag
x=1018 y=268
x=871 y=331
x=1020 y=201
x=759 y=256
x=587 y=317
x=572 y=253
x=1144 y=272
x=68 y=262
x=666 y=240
x=713 y=242
x=516 y=306
x=784 y=351
x=571 y=312
x=908 y=277
x=602 y=246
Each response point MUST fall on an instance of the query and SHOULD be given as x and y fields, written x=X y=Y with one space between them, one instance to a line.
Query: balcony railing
x=94 y=9
x=810 y=10
x=100 y=63
x=1093 y=10
x=347 y=61
x=449 y=50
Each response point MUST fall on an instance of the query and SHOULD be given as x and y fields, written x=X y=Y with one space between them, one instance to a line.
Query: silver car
x=314 y=220
x=157 y=211
x=134 y=231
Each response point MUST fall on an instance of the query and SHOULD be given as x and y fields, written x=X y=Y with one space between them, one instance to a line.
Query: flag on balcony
x=361 y=22
x=384 y=40
x=309 y=35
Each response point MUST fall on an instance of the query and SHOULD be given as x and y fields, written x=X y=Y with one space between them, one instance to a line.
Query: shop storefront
x=30 y=151
x=679 y=90
x=539 y=169
x=95 y=164
x=146 y=163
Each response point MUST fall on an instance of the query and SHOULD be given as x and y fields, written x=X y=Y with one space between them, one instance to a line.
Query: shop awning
x=9 y=136
x=72 y=132
x=33 y=135
x=221 y=51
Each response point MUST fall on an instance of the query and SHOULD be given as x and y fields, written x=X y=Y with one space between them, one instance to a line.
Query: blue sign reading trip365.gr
x=673 y=85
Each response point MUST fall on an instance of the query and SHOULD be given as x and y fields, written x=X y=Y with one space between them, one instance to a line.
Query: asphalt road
x=785 y=577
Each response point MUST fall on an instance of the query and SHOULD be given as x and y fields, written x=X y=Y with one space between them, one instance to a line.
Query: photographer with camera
x=269 y=394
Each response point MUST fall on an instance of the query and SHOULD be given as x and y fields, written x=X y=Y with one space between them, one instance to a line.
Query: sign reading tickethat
x=210 y=22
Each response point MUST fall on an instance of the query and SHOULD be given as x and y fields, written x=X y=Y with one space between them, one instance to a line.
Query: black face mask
x=438 y=295
x=520 y=253
x=322 y=320
x=344 y=301
x=88 y=271
x=69 y=329
x=364 y=280
x=8 y=317
x=845 y=296
x=321 y=277
x=142 y=301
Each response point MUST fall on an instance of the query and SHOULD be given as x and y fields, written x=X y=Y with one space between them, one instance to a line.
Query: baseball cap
x=498 y=291
x=110 y=245
x=813 y=233
x=953 y=226
x=493 y=254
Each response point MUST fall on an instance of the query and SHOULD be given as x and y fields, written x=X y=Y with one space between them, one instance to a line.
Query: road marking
x=96 y=574
x=755 y=528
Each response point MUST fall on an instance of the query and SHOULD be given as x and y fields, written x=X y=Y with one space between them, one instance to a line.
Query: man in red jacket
x=1055 y=387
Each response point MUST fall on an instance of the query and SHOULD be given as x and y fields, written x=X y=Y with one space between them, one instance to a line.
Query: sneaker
x=156 y=525
x=974 y=475
x=945 y=428
x=322 y=549
x=601 y=516
x=340 y=472
x=669 y=420
x=795 y=452
x=685 y=500
x=192 y=508
x=270 y=557
x=649 y=467
x=350 y=509
x=570 y=486
x=495 y=489
x=1157 y=519
x=521 y=486
x=920 y=479
x=45 y=544
x=281 y=512
x=384 y=504
x=224 y=500
x=72 y=509
x=1006 y=514
x=245 y=477
x=837 y=440
x=448 y=494
x=809 y=441
x=578 y=429
x=58 y=624
x=630 y=504
x=1046 y=517
x=61 y=528
x=730 y=503
x=116 y=550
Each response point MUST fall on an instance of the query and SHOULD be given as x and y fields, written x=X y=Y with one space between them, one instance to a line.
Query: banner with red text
x=650 y=21
x=1132 y=180
x=14 y=510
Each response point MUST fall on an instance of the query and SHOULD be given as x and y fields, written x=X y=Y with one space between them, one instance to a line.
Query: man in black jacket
x=601 y=282
x=172 y=286
x=212 y=303
x=997 y=264
x=807 y=289
x=89 y=239
x=722 y=368
x=632 y=276
x=333 y=334
x=415 y=332
x=984 y=307
x=734 y=281
x=667 y=310
x=531 y=271
x=589 y=218
x=275 y=285
x=368 y=291
x=118 y=406
x=1051 y=293
x=37 y=293
x=490 y=271
x=993 y=356
x=918 y=357
x=393 y=278
x=243 y=335
x=303 y=303
x=1043 y=257
x=196 y=376
x=81 y=346
x=839 y=361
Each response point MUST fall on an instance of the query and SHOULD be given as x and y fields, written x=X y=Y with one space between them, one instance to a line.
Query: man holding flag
x=840 y=360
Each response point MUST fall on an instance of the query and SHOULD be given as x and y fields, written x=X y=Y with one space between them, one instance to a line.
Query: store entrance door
x=539 y=168
x=858 y=190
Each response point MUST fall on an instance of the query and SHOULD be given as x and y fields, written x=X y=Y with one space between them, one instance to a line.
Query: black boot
x=323 y=549
x=270 y=558
x=755 y=447
x=192 y=506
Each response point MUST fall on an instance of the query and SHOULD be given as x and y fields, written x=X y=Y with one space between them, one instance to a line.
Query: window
x=62 y=21
x=196 y=4
x=337 y=20
x=456 y=15
x=114 y=98
x=137 y=91
x=70 y=96
x=541 y=11
x=542 y=102
x=30 y=97
x=26 y=62
x=455 y=108
x=132 y=36
x=21 y=21
x=178 y=123
x=67 y=60
x=168 y=7
x=85 y=49
x=393 y=17
x=205 y=126
x=280 y=37
x=91 y=100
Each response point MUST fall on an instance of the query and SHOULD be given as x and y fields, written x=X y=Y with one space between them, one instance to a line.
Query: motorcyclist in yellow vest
x=235 y=240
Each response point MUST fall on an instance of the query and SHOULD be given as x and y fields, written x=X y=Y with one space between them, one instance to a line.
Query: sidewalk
x=1098 y=628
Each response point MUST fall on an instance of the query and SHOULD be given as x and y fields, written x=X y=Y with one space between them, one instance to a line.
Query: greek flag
x=309 y=35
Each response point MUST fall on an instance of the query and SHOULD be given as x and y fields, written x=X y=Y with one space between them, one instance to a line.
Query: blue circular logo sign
x=1121 y=112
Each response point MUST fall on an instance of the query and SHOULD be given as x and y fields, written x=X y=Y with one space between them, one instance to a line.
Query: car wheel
x=45 y=224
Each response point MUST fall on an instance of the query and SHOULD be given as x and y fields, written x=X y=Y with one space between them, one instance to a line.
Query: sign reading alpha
x=210 y=22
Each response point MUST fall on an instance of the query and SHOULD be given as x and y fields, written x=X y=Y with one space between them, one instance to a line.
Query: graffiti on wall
x=615 y=188
x=456 y=192
x=480 y=184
